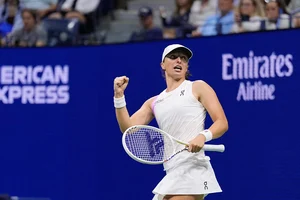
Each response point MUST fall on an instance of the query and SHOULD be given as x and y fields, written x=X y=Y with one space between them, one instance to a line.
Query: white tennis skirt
x=187 y=174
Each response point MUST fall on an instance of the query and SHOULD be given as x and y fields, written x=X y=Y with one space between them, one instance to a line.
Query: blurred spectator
x=42 y=7
x=248 y=16
x=220 y=23
x=8 y=11
x=179 y=20
x=236 y=3
x=293 y=5
x=31 y=35
x=296 y=20
x=4 y=197
x=120 y=4
x=148 y=31
x=78 y=9
x=294 y=8
x=201 y=9
x=277 y=16
x=181 y=15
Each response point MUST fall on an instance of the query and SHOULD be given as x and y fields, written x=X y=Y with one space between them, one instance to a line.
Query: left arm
x=207 y=96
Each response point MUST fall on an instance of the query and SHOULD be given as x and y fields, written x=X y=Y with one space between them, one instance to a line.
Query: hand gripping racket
x=151 y=145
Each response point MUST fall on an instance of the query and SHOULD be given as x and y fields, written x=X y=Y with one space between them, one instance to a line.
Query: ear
x=162 y=66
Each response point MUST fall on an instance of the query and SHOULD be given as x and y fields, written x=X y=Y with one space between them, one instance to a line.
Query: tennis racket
x=151 y=145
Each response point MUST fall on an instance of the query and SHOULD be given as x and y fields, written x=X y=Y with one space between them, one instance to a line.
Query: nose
x=178 y=59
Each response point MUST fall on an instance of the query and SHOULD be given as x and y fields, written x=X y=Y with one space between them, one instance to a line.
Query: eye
x=184 y=58
x=172 y=57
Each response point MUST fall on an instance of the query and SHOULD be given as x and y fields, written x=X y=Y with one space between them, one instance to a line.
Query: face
x=247 y=7
x=176 y=65
x=146 y=21
x=272 y=10
x=12 y=2
x=28 y=20
x=225 y=5
x=297 y=20
x=181 y=3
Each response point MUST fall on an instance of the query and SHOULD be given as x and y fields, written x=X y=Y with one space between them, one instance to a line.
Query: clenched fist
x=120 y=84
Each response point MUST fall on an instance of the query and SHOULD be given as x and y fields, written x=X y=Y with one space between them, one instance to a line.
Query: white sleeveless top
x=179 y=113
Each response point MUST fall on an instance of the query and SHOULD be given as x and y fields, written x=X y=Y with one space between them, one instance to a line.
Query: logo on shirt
x=205 y=185
x=182 y=93
x=159 y=101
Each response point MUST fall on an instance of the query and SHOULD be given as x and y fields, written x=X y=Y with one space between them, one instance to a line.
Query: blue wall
x=65 y=143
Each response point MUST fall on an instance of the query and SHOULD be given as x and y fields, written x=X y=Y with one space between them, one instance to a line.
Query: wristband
x=119 y=102
x=207 y=134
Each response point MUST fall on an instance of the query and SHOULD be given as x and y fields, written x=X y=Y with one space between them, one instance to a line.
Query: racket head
x=147 y=144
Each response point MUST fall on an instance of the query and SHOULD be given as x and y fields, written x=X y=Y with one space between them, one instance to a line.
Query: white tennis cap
x=172 y=47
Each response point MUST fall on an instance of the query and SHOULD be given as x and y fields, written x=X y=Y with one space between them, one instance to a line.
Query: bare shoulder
x=149 y=101
x=200 y=85
x=201 y=88
x=152 y=99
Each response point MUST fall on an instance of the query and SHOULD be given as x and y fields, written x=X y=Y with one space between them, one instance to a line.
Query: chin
x=178 y=78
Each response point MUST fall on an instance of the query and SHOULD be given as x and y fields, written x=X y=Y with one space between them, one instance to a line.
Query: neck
x=172 y=83
x=28 y=29
x=150 y=26
x=223 y=13
x=183 y=10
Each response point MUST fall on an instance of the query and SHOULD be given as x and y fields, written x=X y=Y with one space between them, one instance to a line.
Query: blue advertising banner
x=60 y=138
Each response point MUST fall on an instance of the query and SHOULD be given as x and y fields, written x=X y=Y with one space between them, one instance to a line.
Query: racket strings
x=149 y=145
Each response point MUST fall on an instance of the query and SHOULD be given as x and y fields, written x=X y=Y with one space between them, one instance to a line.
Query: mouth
x=178 y=68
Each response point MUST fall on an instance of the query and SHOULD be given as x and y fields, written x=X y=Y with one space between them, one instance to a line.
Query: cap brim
x=186 y=50
x=144 y=14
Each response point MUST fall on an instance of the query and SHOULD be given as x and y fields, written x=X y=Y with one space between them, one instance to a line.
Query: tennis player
x=180 y=110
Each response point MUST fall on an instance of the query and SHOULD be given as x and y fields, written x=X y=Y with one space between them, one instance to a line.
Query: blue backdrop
x=70 y=149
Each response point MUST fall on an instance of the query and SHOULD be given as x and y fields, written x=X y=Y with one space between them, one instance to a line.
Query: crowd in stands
x=35 y=23
x=196 y=18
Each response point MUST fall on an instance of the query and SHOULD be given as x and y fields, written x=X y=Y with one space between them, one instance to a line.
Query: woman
x=277 y=16
x=201 y=10
x=179 y=110
x=248 y=16
x=180 y=16
x=31 y=35
x=179 y=21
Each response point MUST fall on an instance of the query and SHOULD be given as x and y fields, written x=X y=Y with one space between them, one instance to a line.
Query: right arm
x=141 y=117
x=43 y=13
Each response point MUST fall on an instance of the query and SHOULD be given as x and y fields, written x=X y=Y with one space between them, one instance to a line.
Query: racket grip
x=214 y=147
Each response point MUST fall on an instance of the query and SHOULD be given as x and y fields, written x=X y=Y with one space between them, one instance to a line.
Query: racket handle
x=213 y=147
